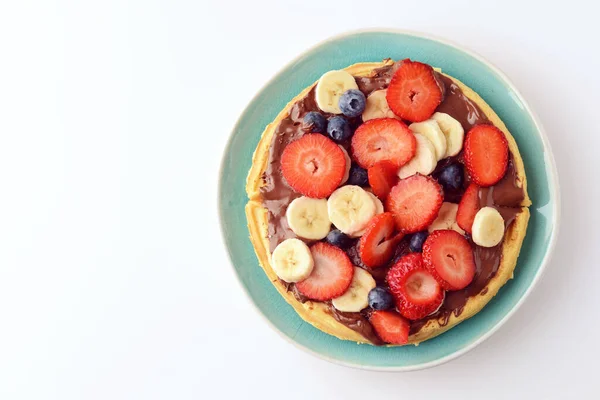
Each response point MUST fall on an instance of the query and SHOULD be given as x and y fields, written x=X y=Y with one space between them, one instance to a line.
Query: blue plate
x=340 y=52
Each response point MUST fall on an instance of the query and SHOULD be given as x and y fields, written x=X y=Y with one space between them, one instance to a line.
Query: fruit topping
x=380 y=299
x=308 y=218
x=486 y=154
x=390 y=327
x=339 y=129
x=350 y=208
x=377 y=107
x=315 y=122
x=449 y=257
x=424 y=161
x=338 y=239
x=329 y=89
x=468 y=207
x=488 y=227
x=446 y=219
x=357 y=296
x=378 y=242
x=292 y=260
x=417 y=240
x=431 y=130
x=352 y=103
x=383 y=176
x=453 y=131
x=383 y=139
x=451 y=177
x=358 y=176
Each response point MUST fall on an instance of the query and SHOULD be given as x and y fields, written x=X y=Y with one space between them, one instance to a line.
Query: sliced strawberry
x=390 y=327
x=415 y=289
x=383 y=139
x=414 y=93
x=415 y=202
x=377 y=244
x=449 y=257
x=313 y=165
x=468 y=207
x=331 y=276
x=486 y=154
x=383 y=176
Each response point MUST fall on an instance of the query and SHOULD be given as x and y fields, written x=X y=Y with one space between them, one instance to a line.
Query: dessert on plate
x=387 y=203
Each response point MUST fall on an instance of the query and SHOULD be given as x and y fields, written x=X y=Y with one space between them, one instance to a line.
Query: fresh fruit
x=350 y=208
x=292 y=260
x=378 y=210
x=413 y=93
x=331 y=275
x=308 y=218
x=357 y=296
x=358 y=176
x=383 y=139
x=451 y=177
x=415 y=289
x=377 y=107
x=446 y=219
x=417 y=240
x=486 y=154
x=453 y=131
x=468 y=207
x=352 y=103
x=383 y=176
x=348 y=165
x=415 y=202
x=488 y=227
x=380 y=299
x=376 y=246
x=424 y=161
x=338 y=239
x=329 y=89
x=314 y=121
x=339 y=129
x=431 y=130
x=390 y=327
x=449 y=257
x=313 y=165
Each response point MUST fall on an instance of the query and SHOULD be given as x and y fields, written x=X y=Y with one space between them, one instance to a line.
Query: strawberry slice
x=313 y=165
x=486 y=154
x=415 y=202
x=449 y=257
x=377 y=244
x=331 y=276
x=414 y=93
x=383 y=176
x=390 y=327
x=415 y=289
x=468 y=207
x=383 y=139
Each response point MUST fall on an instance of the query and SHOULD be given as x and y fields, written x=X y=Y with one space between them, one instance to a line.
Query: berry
x=315 y=122
x=486 y=154
x=338 y=128
x=331 y=276
x=380 y=299
x=468 y=207
x=390 y=327
x=358 y=176
x=449 y=257
x=338 y=239
x=415 y=202
x=415 y=289
x=417 y=240
x=313 y=165
x=414 y=93
x=377 y=244
x=383 y=176
x=352 y=103
x=383 y=139
x=451 y=177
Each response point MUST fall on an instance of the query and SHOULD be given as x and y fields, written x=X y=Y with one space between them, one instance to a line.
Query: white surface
x=113 y=281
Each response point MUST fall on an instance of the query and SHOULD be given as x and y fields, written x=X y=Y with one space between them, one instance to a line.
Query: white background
x=114 y=283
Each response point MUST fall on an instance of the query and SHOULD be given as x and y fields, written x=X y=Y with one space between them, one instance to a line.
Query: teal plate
x=501 y=95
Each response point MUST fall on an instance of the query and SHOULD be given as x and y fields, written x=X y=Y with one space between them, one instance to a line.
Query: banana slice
x=488 y=227
x=350 y=208
x=446 y=219
x=308 y=218
x=423 y=162
x=330 y=87
x=453 y=131
x=431 y=130
x=378 y=210
x=348 y=165
x=377 y=107
x=291 y=260
x=357 y=296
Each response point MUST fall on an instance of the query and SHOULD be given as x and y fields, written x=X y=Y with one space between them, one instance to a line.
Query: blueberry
x=417 y=240
x=338 y=238
x=358 y=176
x=380 y=299
x=451 y=177
x=315 y=122
x=338 y=129
x=352 y=103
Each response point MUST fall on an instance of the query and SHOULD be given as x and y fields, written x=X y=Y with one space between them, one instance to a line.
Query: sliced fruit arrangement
x=383 y=139
x=424 y=160
x=383 y=176
x=488 y=227
x=376 y=246
x=449 y=257
x=331 y=275
x=378 y=210
x=415 y=289
x=308 y=218
x=486 y=154
x=292 y=260
x=431 y=130
x=350 y=208
x=468 y=207
x=313 y=165
x=377 y=107
x=446 y=219
x=453 y=131
x=390 y=327
x=357 y=296
x=330 y=88
x=348 y=165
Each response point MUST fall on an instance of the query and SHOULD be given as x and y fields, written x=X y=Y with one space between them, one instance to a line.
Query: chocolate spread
x=505 y=196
